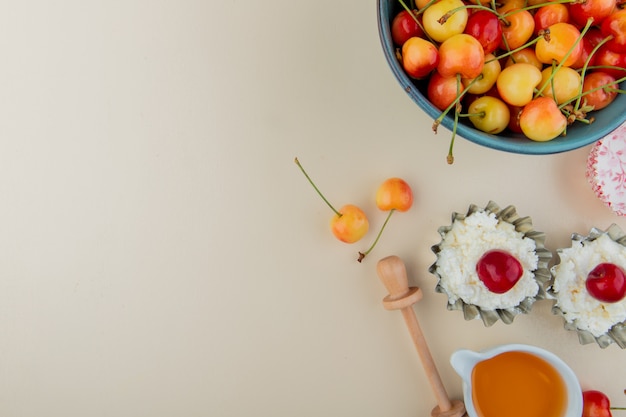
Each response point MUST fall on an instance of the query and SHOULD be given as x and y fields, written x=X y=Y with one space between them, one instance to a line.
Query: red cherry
x=592 y=38
x=485 y=26
x=499 y=270
x=404 y=27
x=596 y=404
x=514 y=120
x=443 y=91
x=597 y=10
x=614 y=25
x=600 y=89
x=606 y=282
x=613 y=63
x=550 y=14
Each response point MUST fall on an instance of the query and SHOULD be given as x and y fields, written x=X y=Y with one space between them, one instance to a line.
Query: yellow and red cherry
x=505 y=6
x=516 y=83
x=562 y=45
x=462 y=55
x=549 y=14
x=562 y=84
x=524 y=56
x=394 y=194
x=443 y=91
x=404 y=26
x=349 y=224
x=597 y=404
x=499 y=270
x=484 y=25
x=600 y=89
x=487 y=78
x=454 y=23
x=541 y=120
x=519 y=28
x=419 y=57
x=489 y=114
x=614 y=26
x=606 y=282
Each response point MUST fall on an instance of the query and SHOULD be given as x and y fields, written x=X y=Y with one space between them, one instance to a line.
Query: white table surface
x=162 y=255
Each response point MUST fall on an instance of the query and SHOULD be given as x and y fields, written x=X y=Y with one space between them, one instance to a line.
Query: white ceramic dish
x=463 y=361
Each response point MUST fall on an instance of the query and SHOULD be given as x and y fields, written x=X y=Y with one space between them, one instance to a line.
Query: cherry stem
x=410 y=11
x=479 y=114
x=457 y=110
x=316 y=189
x=537 y=6
x=601 y=87
x=567 y=54
x=512 y=51
x=362 y=255
x=455 y=103
x=617 y=408
x=443 y=19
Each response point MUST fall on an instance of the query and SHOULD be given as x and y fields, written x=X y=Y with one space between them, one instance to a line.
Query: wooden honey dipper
x=392 y=273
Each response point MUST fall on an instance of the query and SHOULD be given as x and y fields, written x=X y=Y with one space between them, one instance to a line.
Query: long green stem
x=315 y=187
x=565 y=57
x=443 y=19
x=450 y=157
x=513 y=51
x=537 y=6
x=459 y=96
x=380 y=232
x=606 y=86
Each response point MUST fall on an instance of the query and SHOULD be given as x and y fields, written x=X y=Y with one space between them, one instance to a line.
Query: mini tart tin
x=542 y=273
x=617 y=333
x=606 y=170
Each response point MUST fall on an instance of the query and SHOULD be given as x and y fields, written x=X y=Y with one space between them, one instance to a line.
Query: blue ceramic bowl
x=578 y=134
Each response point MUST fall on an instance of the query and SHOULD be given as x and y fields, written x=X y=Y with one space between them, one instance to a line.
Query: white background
x=160 y=252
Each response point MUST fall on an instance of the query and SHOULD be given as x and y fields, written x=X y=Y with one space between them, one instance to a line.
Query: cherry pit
x=544 y=65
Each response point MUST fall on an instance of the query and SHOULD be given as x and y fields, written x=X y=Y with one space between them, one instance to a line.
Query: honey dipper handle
x=426 y=358
x=392 y=273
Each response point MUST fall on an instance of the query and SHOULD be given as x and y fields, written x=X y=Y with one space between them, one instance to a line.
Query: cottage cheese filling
x=577 y=305
x=463 y=246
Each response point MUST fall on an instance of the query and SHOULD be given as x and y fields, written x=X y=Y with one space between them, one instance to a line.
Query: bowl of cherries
x=524 y=76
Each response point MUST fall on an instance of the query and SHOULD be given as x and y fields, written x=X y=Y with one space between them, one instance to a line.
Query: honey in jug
x=518 y=384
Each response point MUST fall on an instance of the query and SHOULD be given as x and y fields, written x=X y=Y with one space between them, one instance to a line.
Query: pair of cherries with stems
x=349 y=224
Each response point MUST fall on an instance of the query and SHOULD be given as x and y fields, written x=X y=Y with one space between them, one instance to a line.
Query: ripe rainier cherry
x=489 y=114
x=349 y=224
x=461 y=54
x=454 y=25
x=562 y=37
x=419 y=57
x=517 y=82
x=541 y=120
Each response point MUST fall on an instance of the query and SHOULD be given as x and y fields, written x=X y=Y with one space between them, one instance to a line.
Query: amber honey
x=518 y=384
